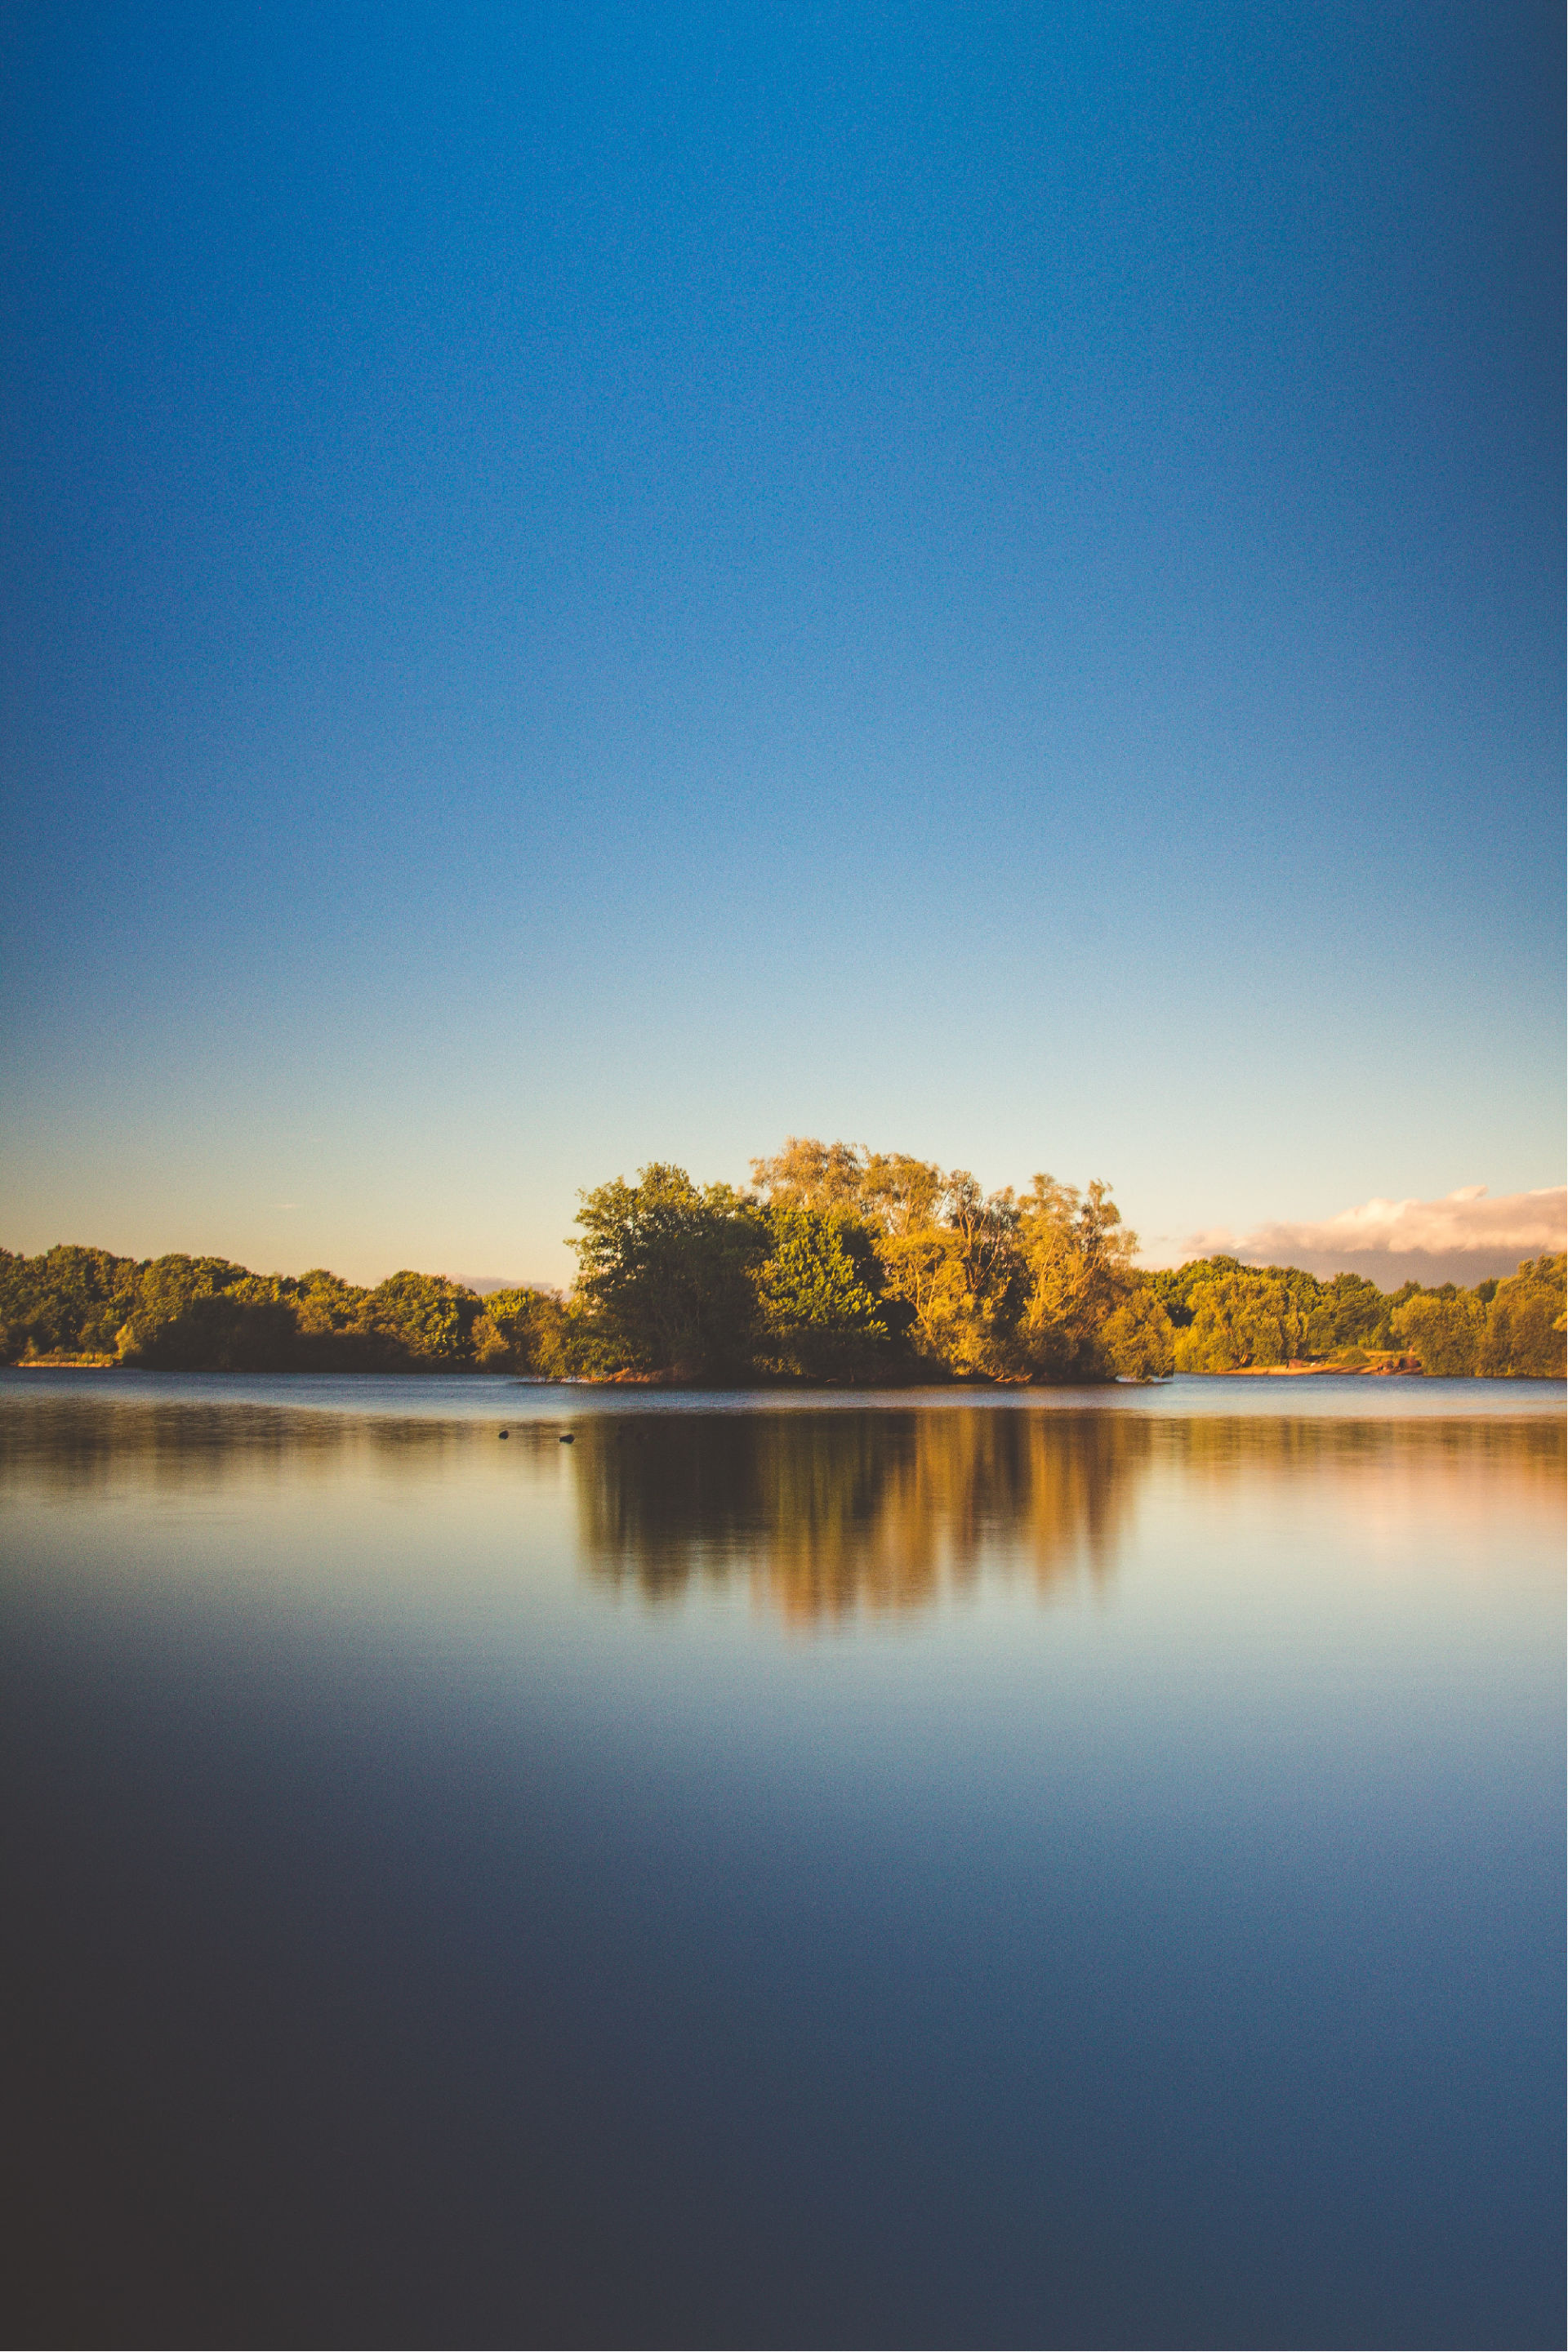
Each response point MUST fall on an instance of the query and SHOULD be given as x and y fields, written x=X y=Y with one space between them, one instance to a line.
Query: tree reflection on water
x=73 y=1445
x=838 y=1512
x=829 y=1512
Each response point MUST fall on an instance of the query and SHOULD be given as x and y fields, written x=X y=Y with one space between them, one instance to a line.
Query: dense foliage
x=1229 y=1317
x=182 y=1314
x=839 y=1265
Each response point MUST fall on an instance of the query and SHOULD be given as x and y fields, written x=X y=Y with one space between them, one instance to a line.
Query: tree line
x=837 y=1264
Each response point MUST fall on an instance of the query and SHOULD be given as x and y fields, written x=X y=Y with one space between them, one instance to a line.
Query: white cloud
x=1463 y=1238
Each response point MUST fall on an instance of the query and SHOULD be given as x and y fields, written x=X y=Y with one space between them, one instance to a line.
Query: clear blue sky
x=590 y=585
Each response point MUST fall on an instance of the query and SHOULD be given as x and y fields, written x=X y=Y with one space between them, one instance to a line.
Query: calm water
x=959 y=1871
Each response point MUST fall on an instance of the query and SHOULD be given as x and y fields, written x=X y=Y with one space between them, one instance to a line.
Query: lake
x=953 y=1869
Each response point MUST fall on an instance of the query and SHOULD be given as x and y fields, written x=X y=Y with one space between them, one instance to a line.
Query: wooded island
x=838 y=1265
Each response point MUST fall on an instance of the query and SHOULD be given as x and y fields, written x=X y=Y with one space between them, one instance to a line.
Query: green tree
x=1526 y=1324
x=1444 y=1328
x=522 y=1331
x=1215 y=1337
x=1175 y=1286
x=69 y=1301
x=423 y=1319
x=664 y=1283
x=332 y=1331
x=817 y=1296
x=950 y=1274
x=1237 y=1323
x=183 y=1317
x=1356 y=1311
x=1137 y=1336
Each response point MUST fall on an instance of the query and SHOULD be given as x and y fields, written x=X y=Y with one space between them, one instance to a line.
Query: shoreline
x=1315 y=1372
x=461 y=1374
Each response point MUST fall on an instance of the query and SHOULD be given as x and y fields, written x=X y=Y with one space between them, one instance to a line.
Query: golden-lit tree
x=1079 y=1261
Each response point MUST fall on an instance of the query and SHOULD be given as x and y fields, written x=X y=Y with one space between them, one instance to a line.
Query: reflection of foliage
x=1476 y=1453
x=828 y=1514
x=836 y=1511
x=69 y=1443
x=824 y=1513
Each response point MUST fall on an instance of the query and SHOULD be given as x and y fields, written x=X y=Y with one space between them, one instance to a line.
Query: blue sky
x=608 y=583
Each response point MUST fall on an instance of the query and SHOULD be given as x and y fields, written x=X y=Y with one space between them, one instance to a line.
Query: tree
x=1355 y=1310
x=984 y=1227
x=1526 y=1326
x=829 y=1177
x=1078 y=1256
x=664 y=1285
x=332 y=1331
x=1137 y=1336
x=948 y=1282
x=70 y=1301
x=854 y=1265
x=1215 y=1338
x=1444 y=1328
x=1175 y=1286
x=183 y=1317
x=949 y=1254
x=522 y=1331
x=901 y=1194
x=423 y=1319
x=1248 y=1319
x=817 y=1294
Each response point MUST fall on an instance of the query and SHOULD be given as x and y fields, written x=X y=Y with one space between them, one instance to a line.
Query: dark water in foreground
x=949 y=1872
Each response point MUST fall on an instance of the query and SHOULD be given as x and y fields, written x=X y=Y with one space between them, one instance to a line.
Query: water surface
x=949 y=1870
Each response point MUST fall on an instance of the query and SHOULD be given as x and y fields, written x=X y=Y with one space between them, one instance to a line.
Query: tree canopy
x=185 y=1313
x=838 y=1264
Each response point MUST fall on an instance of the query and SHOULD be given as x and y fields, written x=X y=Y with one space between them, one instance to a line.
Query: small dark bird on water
x=506 y=1433
x=568 y=1439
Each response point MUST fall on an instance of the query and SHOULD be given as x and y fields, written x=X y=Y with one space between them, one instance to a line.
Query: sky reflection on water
x=869 y=1874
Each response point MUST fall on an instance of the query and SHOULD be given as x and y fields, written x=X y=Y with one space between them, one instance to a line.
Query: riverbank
x=1405 y=1368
